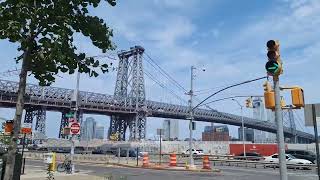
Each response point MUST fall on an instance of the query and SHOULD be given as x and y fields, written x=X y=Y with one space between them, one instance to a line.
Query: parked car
x=289 y=158
x=251 y=156
x=303 y=154
x=194 y=152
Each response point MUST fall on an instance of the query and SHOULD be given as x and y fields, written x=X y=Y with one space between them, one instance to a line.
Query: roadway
x=228 y=173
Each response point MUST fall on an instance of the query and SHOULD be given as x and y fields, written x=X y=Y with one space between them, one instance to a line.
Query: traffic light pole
x=280 y=135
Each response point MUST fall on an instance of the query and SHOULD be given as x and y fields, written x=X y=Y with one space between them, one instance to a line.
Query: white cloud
x=172 y=30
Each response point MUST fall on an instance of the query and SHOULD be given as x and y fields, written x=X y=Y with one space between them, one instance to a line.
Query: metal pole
x=23 y=145
x=160 y=148
x=75 y=117
x=191 y=118
x=72 y=154
x=315 y=126
x=137 y=156
x=279 y=121
x=243 y=134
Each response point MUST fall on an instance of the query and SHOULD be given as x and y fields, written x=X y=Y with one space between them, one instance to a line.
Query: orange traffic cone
x=206 y=163
x=145 y=161
x=173 y=160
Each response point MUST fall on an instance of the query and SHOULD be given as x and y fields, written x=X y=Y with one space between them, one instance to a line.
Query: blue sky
x=226 y=37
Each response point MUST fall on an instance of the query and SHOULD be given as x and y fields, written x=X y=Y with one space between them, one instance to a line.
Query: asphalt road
x=228 y=173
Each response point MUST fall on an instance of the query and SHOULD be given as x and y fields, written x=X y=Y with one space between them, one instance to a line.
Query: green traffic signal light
x=273 y=67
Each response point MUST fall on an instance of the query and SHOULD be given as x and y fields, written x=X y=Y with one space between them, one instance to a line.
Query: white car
x=194 y=152
x=290 y=159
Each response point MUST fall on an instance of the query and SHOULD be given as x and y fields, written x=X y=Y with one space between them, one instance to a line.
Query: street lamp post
x=191 y=117
x=242 y=127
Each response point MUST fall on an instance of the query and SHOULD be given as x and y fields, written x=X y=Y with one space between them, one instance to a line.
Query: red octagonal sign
x=75 y=128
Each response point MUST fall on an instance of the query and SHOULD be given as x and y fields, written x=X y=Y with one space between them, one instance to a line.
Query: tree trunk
x=17 y=118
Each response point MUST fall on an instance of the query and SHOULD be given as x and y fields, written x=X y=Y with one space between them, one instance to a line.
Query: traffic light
x=274 y=64
x=282 y=102
x=267 y=86
x=249 y=102
x=8 y=128
x=297 y=96
x=269 y=101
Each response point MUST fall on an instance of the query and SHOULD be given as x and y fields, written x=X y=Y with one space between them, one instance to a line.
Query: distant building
x=248 y=133
x=88 y=129
x=99 y=132
x=171 y=129
x=259 y=112
x=216 y=133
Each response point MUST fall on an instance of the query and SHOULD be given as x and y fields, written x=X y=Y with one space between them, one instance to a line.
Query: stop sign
x=75 y=128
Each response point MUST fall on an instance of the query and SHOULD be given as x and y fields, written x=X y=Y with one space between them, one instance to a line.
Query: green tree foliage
x=45 y=30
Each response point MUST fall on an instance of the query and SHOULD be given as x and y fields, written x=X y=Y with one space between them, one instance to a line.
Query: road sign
x=26 y=130
x=27 y=125
x=75 y=128
x=272 y=67
x=71 y=120
x=308 y=114
x=69 y=115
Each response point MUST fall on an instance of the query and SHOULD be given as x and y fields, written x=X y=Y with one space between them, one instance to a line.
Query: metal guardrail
x=255 y=164
x=222 y=160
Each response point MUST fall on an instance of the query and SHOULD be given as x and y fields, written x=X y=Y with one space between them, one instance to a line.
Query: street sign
x=272 y=67
x=66 y=131
x=71 y=120
x=26 y=130
x=27 y=125
x=69 y=115
x=308 y=114
x=75 y=128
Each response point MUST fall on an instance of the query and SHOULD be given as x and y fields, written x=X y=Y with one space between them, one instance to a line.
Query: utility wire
x=166 y=74
x=162 y=85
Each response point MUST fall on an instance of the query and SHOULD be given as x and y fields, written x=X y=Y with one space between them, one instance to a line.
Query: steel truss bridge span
x=61 y=99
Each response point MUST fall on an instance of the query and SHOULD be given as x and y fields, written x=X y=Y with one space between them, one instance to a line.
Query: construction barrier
x=206 y=163
x=173 y=160
x=145 y=160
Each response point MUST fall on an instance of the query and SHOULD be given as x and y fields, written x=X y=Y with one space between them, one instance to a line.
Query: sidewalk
x=41 y=174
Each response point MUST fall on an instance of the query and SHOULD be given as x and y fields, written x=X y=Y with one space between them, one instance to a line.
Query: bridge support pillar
x=41 y=120
x=28 y=117
x=64 y=122
x=130 y=92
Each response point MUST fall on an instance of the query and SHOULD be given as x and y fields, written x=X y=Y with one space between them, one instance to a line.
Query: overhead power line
x=165 y=74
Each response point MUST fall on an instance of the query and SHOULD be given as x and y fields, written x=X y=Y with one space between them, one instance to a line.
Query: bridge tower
x=292 y=126
x=130 y=92
x=40 y=114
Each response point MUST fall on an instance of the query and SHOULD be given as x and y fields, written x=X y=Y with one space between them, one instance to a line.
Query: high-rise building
x=248 y=133
x=259 y=112
x=216 y=133
x=99 y=132
x=171 y=129
x=88 y=129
